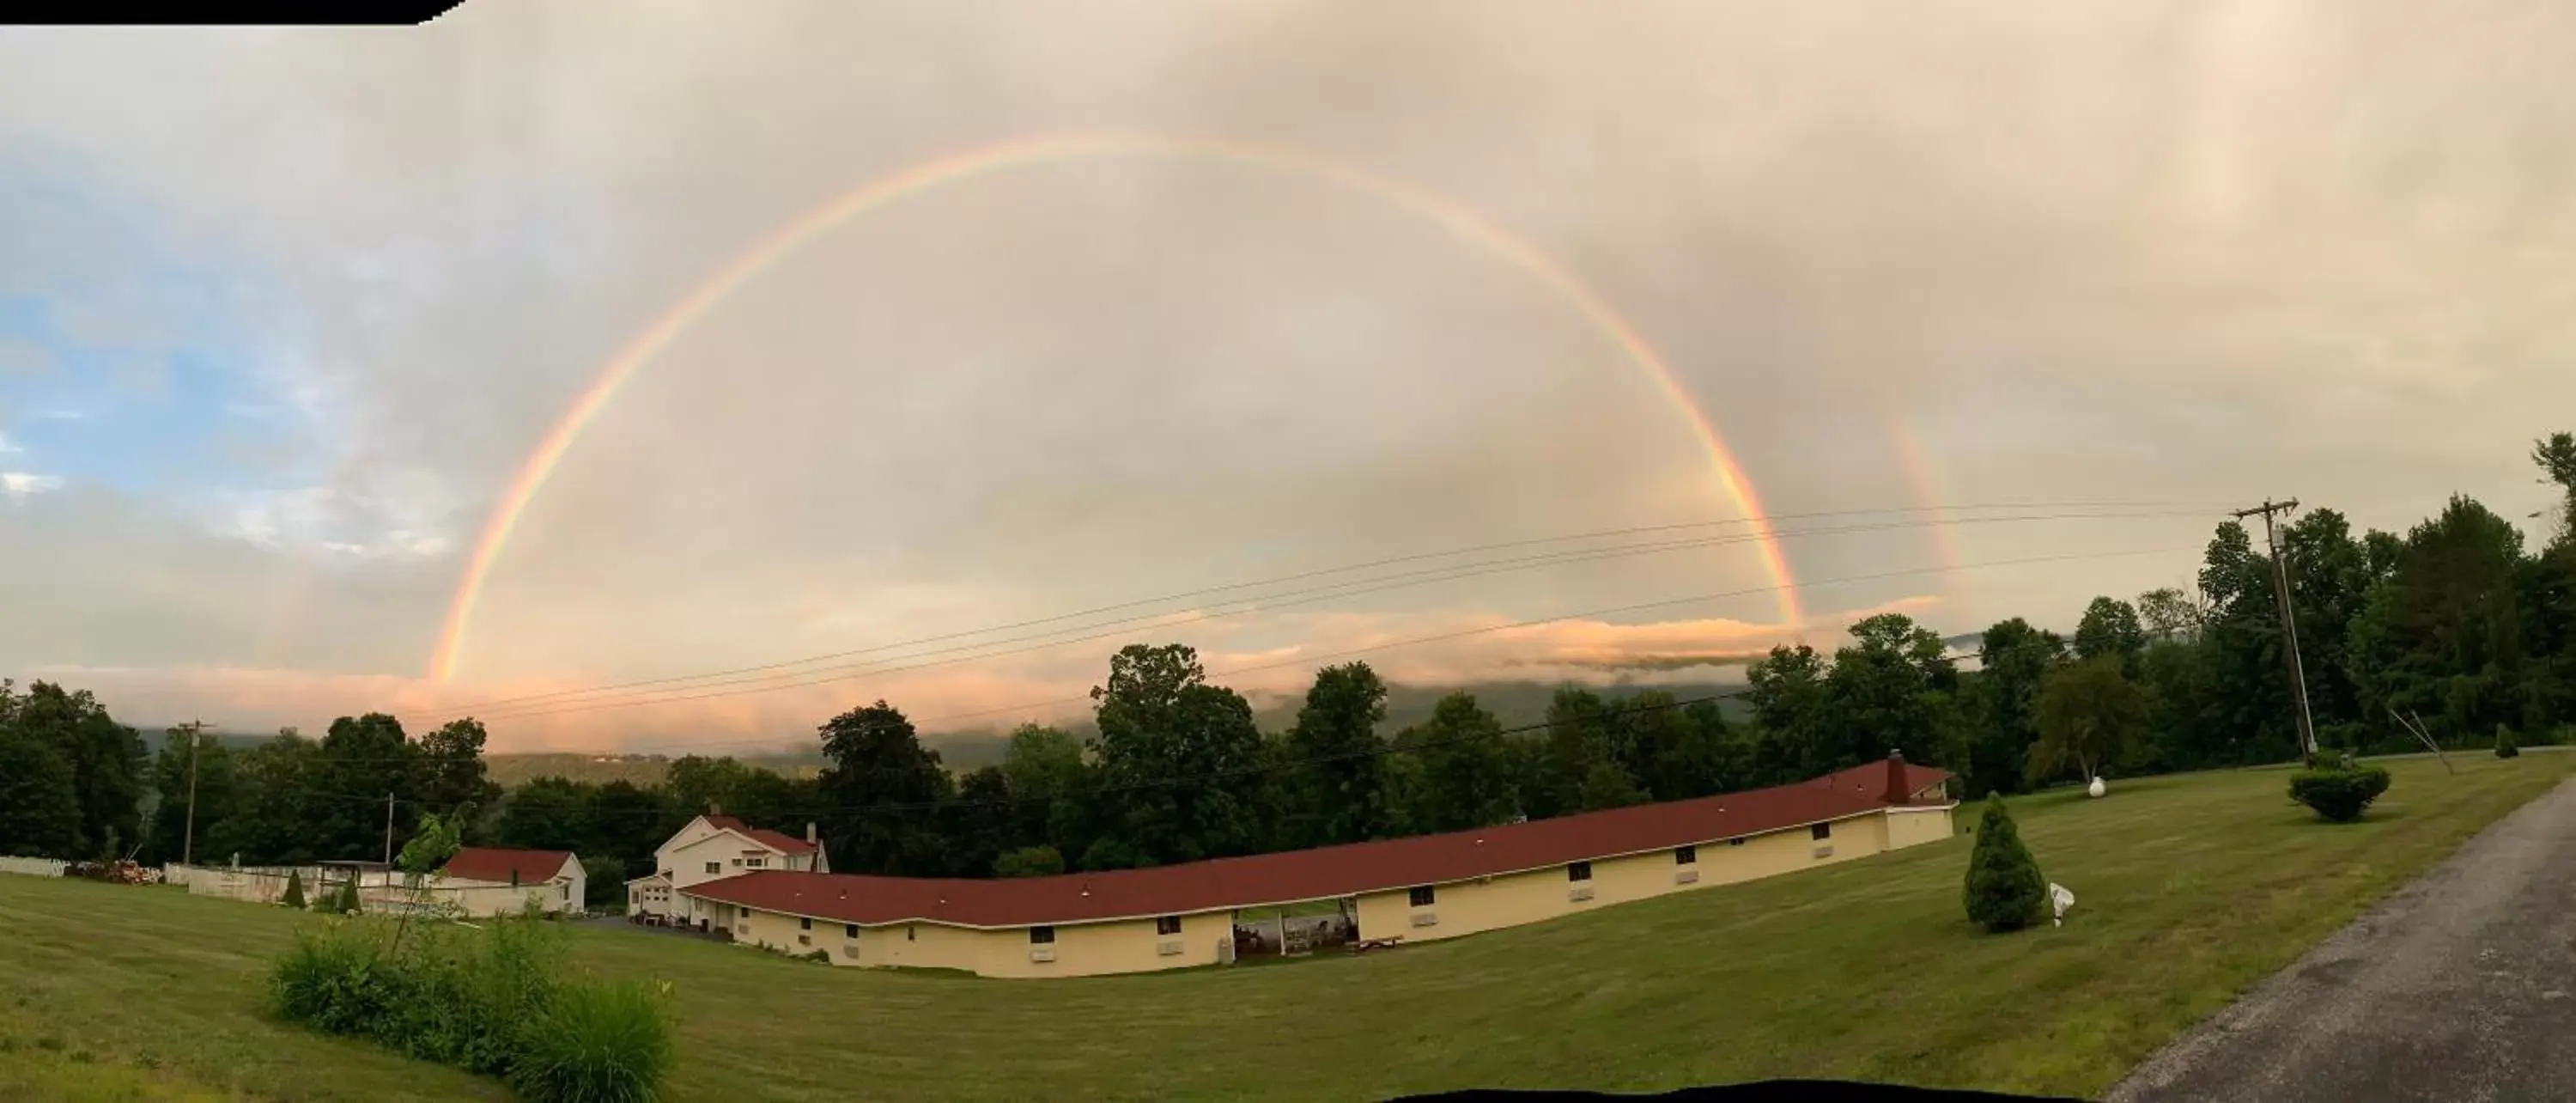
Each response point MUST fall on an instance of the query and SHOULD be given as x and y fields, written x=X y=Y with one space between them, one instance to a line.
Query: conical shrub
x=2005 y=890
x=294 y=890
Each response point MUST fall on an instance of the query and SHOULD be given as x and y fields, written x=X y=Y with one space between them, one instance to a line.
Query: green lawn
x=2189 y=889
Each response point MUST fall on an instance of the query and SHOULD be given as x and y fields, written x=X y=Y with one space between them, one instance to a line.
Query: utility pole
x=389 y=830
x=188 y=843
x=2289 y=622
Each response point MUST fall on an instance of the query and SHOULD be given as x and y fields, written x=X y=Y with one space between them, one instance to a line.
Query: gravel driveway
x=2460 y=987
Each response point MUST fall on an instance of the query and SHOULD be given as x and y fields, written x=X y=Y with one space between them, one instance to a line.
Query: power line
x=799 y=679
x=1312 y=595
x=1299 y=576
x=1373 y=648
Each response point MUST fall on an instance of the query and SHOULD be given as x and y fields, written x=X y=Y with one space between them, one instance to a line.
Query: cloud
x=20 y=485
x=2079 y=256
x=23 y=359
x=8 y=446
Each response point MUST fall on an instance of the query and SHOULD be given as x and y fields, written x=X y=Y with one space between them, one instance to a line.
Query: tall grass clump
x=607 y=1042
x=497 y=1000
x=336 y=979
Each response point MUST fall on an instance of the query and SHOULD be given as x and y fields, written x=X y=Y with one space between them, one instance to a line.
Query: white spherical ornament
x=2094 y=789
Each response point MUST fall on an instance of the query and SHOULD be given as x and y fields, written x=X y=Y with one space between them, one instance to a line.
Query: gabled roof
x=775 y=840
x=485 y=863
x=1326 y=871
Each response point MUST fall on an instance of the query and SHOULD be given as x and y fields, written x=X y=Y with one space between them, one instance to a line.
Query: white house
x=712 y=847
x=493 y=881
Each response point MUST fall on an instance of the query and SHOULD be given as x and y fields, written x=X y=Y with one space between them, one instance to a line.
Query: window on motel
x=1169 y=924
x=1041 y=936
x=1579 y=871
x=1422 y=897
x=1685 y=855
x=1822 y=831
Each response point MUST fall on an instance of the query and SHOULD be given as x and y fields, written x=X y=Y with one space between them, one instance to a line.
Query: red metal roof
x=775 y=840
x=484 y=863
x=1323 y=872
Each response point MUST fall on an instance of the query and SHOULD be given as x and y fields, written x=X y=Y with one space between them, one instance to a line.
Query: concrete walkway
x=2461 y=987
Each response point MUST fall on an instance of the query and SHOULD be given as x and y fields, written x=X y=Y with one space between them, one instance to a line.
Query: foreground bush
x=2339 y=793
x=597 y=1043
x=490 y=1000
x=2005 y=889
x=2504 y=743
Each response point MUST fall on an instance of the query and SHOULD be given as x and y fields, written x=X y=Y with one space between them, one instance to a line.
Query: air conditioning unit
x=1170 y=947
x=850 y=949
x=1426 y=919
x=1825 y=851
x=804 y=940
x=1042 y=953
x=1579 y=893
x=1686 y=877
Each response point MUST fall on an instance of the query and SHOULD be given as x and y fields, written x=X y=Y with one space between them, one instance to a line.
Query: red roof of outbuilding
x=485 y=863
x=775 y=840
x=1315 y=874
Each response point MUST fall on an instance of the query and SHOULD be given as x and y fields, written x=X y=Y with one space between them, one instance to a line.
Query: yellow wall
x=1905 y=829
x=1466 y=907
x=1462 y=907
x=1084 y=949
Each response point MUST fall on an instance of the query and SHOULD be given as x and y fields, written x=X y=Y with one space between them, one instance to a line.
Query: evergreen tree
x=294 y=897
x=2005 y=890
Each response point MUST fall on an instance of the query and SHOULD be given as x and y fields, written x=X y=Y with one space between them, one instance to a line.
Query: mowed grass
x=2189 y=889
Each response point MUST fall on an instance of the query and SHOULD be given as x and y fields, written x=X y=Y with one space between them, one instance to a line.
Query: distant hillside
x=1515 y=703
x=511 y=769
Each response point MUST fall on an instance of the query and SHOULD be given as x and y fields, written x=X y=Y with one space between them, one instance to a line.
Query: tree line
x=2454 y=622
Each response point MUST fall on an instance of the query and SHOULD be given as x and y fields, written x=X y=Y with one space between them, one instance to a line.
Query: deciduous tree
x=2089 y=714
x=1335 y=794
x=881 y=787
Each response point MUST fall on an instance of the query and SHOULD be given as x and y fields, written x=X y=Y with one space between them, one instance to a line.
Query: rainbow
x=924 y=177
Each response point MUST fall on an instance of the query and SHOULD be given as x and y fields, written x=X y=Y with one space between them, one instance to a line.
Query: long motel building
x=1406 y=890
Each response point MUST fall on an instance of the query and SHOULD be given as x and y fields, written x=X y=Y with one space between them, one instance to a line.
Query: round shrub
x=2005 y=891
x=2339 y=794
x=2505 y=747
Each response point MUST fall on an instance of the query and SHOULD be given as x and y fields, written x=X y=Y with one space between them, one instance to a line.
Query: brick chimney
x=1898 y=792
x=714 y=809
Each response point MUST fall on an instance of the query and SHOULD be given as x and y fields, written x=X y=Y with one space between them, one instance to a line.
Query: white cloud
x=20 y=485
x=329 y=520
x=8 y=446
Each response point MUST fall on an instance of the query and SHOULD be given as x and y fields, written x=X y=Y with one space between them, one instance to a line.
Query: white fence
x=33 y=867
x=377 y=891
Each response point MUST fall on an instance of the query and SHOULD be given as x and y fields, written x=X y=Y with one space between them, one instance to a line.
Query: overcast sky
x=282 y=314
